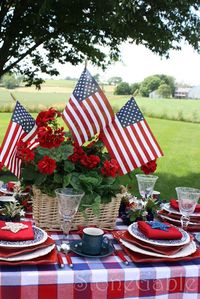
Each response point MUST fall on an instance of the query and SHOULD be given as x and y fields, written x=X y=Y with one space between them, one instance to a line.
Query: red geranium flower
x=23 y=152
x=90 y=161
x=149 y=167
x=49 y=138
x=78 y=154
x=46 y=165
x=45 y=116
x=110 y=168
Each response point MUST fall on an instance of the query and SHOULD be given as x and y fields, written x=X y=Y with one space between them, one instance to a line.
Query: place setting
x=185 y=211
x=22 y=243
x=160 y=241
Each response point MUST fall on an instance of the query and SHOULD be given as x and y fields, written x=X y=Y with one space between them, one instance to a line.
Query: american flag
x=88 y=110
x=21 y=127
x=129 y=139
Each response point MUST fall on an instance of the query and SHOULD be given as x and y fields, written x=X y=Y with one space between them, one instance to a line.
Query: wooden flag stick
x=86 y=61
x=13 y=97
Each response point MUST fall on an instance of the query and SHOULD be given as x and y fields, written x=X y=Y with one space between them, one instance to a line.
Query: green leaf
x=69 y=166
x=89 y=182
x=74 y=181
x=57 y=153
x=58 y=178
x=96 y=205
x=40 y=179
x=108 y=180
x=66 y=180
x=29 y=173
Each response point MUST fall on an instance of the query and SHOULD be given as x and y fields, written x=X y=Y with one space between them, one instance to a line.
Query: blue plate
x=197 y=237
x=76 y=247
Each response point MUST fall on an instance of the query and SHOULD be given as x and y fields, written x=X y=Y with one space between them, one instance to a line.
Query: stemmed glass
x=68 y=204
x=187 y=201
x=146 y=185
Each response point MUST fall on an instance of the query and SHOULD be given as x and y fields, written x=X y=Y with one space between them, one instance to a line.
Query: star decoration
x=158 y=225
x=14 y=227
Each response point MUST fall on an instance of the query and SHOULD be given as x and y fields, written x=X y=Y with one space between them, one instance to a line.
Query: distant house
x=181 y=93
x=194 y=92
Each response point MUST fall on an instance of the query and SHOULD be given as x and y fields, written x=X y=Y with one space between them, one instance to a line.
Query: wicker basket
x=46 y=216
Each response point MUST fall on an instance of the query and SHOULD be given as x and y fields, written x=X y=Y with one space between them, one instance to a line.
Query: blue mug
x=93 y=241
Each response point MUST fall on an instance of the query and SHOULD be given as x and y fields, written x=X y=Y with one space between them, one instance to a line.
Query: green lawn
x=57 y=92
x=180 y=142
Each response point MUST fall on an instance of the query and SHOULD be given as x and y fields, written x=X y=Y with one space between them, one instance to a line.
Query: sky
x=137 y=62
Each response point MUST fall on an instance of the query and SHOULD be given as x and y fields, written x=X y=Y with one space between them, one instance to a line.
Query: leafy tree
x=97 y=77
x=134 y=87
x=9 y=81
x=164 y=91
x=68 y=31
x=114 y=80
x=169 y=80
x=122 y=89
x=149 y=84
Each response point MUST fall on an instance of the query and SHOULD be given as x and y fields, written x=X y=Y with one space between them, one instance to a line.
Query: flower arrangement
x=138 y=209
x=56 y=161
x=133 y=208
x=12 y=211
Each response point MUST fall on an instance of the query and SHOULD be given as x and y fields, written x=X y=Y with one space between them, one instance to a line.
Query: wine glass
x=68 y=203
x=187 y=201
x=146 y=185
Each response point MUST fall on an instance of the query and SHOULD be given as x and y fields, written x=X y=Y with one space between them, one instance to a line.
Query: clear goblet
x=68 y=204
x=187 y=200
x=146 y=185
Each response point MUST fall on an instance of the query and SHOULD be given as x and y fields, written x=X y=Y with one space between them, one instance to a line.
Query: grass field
x=57 y=92
x=179 y=167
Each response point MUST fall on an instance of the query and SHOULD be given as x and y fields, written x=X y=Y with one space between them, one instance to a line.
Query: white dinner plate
x=30 y=255
x=187 y=250
x=169 y=209
x=6 y=198
x=134 y=231
x=5 y=191
x=40 y=237
x=176 y=220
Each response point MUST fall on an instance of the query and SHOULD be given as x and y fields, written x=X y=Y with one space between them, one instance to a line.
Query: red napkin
x=167 y=250
x=22 y=235
x=174 y=205
x=10 y=186
x=172 y=232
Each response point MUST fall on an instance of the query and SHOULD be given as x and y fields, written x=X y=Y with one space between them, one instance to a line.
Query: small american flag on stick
x=129 y=139
x=88 y=110
x=22 y=127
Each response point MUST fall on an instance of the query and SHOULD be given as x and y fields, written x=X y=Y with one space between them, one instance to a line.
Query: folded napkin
x=167 y=250
x=16 y=231
x=172 y=233
x=174 y=205
x=10 y=186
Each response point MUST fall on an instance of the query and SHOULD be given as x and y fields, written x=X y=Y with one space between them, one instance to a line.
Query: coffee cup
x=93 y=241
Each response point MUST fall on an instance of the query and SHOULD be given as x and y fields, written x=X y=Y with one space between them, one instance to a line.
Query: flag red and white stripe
x=132 y=145
x=88 y=110
x=21 y=122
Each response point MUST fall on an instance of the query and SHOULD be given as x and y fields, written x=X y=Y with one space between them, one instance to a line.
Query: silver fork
x=65 y=248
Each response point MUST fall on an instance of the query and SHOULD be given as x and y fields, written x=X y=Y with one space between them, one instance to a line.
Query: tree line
x=163 y=85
